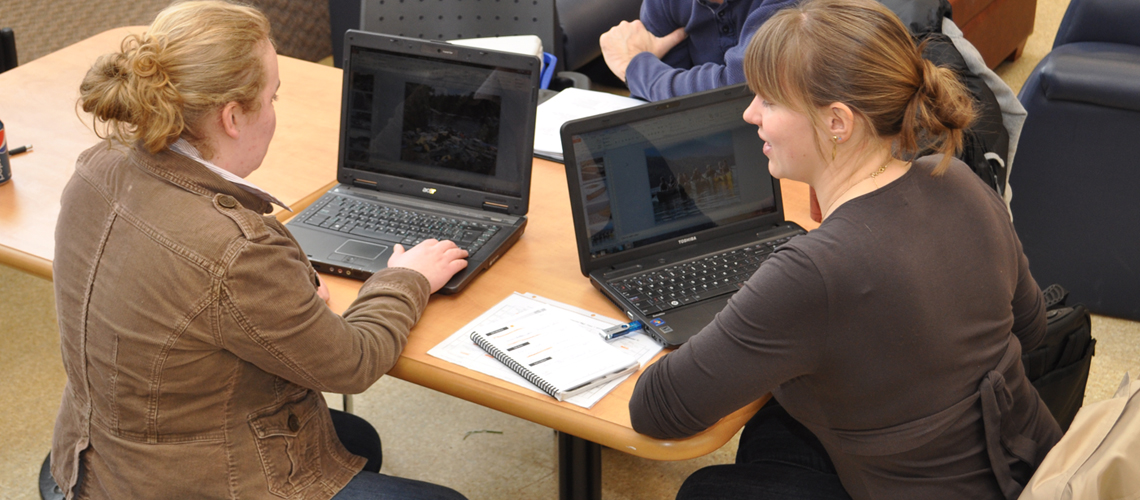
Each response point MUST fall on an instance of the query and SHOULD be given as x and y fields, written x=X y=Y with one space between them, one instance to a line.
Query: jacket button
x=294 y=423
x=227 y=201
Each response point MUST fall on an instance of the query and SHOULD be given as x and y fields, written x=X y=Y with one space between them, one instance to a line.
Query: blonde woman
x=891 y=336
x=194 y=332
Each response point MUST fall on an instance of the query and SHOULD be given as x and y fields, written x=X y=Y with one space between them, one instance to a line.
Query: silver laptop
x=673 y=207
x=435 y=142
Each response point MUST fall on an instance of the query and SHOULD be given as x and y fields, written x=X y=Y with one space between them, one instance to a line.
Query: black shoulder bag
x=1059 y=367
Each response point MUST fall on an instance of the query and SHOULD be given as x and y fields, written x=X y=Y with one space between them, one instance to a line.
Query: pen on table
x=621 y=330
x=21 y=149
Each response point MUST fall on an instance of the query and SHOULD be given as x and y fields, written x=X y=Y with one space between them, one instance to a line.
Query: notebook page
x=459 y=349
x=554 y=345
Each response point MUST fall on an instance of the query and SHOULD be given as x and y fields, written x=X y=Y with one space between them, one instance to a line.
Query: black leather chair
x=1076 y=188
x=48 y=489
x=7 y=50
x=570 y=30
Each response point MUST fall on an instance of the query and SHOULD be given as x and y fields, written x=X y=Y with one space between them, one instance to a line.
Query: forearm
x=291 y=333
x=651 y=79
x=657 y=408
x=767 y=334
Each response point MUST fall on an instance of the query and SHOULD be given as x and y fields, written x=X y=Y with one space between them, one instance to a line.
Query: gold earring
x=834 y=146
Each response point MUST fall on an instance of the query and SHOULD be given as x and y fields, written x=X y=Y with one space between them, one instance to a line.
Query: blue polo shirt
x=713 y=54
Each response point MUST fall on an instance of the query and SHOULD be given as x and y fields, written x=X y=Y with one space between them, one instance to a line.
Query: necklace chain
x=882 y=168
x=874 y=174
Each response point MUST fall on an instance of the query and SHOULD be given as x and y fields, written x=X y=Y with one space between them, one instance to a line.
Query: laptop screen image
x=668 y=176
x=444 y=122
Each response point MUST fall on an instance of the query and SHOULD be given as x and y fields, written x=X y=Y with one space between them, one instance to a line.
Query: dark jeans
x=373 y=486
x=361 y=439
x=778 y=458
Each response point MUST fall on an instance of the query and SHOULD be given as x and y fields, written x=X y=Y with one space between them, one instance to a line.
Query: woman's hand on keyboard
x=437 y=260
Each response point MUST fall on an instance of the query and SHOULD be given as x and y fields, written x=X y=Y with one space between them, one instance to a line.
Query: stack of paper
x=571 y=104
x=530 y=45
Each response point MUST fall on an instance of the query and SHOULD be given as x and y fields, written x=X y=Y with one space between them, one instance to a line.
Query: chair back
x=454 y=19
x=1112 y=21
x=1074 y=203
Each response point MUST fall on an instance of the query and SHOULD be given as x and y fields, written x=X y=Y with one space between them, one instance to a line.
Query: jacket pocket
x=288 y=437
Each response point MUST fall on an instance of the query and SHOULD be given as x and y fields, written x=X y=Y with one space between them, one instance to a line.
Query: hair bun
x=113 y=66
x=928 y=75
x=144 y=59
x=943 y=98
x=194 y=58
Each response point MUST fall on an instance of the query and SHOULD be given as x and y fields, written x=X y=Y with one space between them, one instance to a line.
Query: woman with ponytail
x=194 y=331
x=891 y=336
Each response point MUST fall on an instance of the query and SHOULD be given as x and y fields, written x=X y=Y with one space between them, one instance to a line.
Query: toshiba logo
x=690 y=239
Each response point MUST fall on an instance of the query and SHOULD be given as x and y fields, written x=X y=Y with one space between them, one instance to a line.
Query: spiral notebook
x=547 y=349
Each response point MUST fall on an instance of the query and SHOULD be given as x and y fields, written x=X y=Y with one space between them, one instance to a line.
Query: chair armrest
x=1104 y=74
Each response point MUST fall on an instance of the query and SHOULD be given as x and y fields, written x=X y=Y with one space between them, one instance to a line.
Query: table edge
x=26 y=262
x=581 y=425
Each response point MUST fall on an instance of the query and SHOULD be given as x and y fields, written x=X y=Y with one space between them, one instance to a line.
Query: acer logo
x=690 y=239
x=429 y=190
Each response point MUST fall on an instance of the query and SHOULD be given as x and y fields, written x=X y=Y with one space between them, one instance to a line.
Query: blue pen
x=621 y=330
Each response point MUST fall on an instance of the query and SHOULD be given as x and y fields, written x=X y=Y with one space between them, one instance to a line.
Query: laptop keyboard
x=663 y=289
x=397 y=225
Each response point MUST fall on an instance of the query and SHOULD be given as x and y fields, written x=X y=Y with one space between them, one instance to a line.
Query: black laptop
x=673 y=207
x=435 y=142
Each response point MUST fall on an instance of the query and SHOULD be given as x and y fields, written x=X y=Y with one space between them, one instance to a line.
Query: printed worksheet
x=459 y=349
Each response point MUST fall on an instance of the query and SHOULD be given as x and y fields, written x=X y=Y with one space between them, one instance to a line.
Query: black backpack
x=985 y=148
x=1059 y=366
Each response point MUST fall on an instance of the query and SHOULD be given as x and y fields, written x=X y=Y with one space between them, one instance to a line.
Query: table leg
x=579 y=468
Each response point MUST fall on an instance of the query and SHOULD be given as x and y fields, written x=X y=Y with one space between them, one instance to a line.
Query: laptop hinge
x=364 y=183
x=497 y=207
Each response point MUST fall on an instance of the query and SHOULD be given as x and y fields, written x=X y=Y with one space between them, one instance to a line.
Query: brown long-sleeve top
x=893 y=332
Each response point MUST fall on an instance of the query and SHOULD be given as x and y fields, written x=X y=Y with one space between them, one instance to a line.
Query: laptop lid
x=437 y=121
x=666 y=177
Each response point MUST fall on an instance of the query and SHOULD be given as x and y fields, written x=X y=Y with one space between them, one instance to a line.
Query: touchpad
x=361 y=249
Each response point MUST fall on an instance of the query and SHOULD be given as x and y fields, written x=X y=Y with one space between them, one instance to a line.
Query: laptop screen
x=439 y=120
x=671 y=175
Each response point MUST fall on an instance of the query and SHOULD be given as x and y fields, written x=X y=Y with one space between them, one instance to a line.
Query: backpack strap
x=1055 y=296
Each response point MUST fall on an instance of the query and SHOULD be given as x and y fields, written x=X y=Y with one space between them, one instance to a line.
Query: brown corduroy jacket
x=194 y=341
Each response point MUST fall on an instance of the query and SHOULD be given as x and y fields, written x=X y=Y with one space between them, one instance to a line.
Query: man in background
x=681 y=47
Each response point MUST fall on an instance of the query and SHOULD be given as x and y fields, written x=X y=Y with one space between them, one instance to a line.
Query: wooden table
x=545 y=262
x=37 y=102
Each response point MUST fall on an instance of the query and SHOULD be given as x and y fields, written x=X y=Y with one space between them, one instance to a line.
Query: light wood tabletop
x=545 y=262
x=37 y=106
